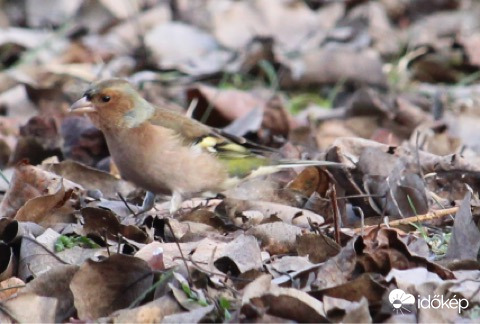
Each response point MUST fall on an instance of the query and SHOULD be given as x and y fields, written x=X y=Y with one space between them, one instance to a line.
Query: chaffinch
x=161 y=150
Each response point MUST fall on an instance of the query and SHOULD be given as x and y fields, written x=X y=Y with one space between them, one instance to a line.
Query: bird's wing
x=189 y=129
x=240 y=156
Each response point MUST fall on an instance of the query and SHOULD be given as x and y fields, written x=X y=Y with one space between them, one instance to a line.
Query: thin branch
x=164 y=277
x=362 y=218
x=419 y=218
x=126 y=204
x=336 y=213
x=167 y=222
x=44 y=248
x=2 y=175
x=12 y=287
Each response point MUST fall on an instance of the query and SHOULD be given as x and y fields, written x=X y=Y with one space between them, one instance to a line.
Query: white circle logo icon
x=398 y=298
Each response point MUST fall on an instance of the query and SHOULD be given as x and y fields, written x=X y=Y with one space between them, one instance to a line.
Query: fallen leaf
x=240 y=255
x=99 y=288
x=465 y=240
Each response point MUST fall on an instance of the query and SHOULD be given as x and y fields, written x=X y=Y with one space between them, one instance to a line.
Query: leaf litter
x=387 y=88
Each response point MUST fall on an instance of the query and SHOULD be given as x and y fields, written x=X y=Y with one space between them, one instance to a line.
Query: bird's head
x=111 y=103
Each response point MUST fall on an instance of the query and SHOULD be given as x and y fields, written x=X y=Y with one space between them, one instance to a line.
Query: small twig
x=106 y=241
x=2 y=175
x=119 y=242
x=362 y=219
x=131 y=285
x=126 y=204
x=167 y=222
x=362 y=196
x=12 y=287
x=417 y=155
x=223 y=275
x=45 y=248
x=191 y=107
x=336 y=214
x=164 y=277
x=418 y=218
x=7 y=311
x=315 y=228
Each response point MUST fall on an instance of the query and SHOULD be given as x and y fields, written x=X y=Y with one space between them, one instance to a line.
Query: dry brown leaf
x=307 y=182
x=288 y=24
x=194 y=316
x=82 y=142
x=36 y=259
x=381 y=250
x=228 y=104
x=465 y=241
x=55 y=283
x=15 y=230
x=8 y=261
x=99 y=288
x=351 y=312
x=30 y=182
x=40 y=309
x=288 y=303
x=152 y=312
x=288 y=264
x=240 y=255
x=91 y=179
x=331 y=65
x=171 y=253
x=10 y=287
x=186 y=48
x=318 y=247
x=105 y=222
x=287 y=214
x=369 y=286
x=39 y=139
x=276 y=237
x=471 y=43
x=207 y=251
x=50 y=209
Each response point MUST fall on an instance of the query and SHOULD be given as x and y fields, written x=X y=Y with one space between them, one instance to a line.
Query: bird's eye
x=105 y=98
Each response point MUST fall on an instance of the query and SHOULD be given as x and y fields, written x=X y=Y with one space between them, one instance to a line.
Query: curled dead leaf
x=99 y=288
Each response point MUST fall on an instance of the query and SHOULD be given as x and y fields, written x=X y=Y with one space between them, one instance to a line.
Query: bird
x=161 y=150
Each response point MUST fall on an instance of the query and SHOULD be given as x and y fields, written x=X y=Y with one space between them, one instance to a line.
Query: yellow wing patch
x=219 y=145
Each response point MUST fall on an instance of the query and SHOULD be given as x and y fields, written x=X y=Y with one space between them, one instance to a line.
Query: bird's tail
x=286 y=164
x=283 y=164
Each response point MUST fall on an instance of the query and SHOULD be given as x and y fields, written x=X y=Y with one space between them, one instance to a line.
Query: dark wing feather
x=194 y=132
x=239 y=155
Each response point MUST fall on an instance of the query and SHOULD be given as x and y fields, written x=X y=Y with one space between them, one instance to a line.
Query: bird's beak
x=82 y=106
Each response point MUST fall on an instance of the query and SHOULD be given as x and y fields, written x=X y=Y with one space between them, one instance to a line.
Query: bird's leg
x=148 y=202
x=175 y=202
x=213 y=196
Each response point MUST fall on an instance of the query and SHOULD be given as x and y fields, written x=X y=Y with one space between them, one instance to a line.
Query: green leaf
x=68 y=242
x=59 y=247
x=186 y=289
x=85 y=242
x=270 y=72
x=224 y=303
x=301 y=101
x=226 y=315
x=164 y=278
x=202 y=302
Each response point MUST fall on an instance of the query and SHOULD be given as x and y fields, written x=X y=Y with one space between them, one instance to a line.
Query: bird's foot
x=148 y=203
x=211 y=196
x=175 y=202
